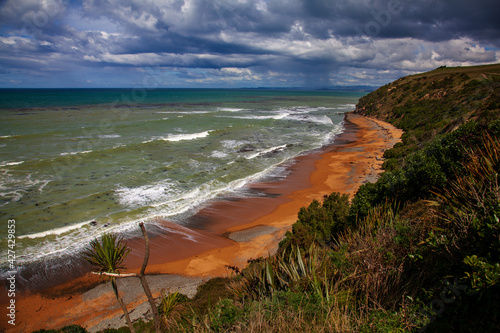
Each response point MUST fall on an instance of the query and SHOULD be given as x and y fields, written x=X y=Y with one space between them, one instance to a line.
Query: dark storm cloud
x=430 y=20
x=289 y=40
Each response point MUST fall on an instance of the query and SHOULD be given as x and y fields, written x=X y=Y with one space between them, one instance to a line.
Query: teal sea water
x=78 y=162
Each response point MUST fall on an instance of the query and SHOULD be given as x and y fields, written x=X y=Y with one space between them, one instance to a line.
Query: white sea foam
x=310 y=118
x=109 y=136
x=337 y=129
x=12 y=189
x=266 y=151
x=76 y=152
x=11 y=163
x=56 y=231
x=197 y=197
x=276 y=117
x=230 y=109
x=346 y=107
x=146 y=194
x=44 y=183
x=295 y=114
x=231 y=144
x=218 y=154
x=163 y=200
x=184 y=112
x=70 y=239
x=179 y=137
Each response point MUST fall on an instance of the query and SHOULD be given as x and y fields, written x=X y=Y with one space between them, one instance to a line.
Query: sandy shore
x=224 y=233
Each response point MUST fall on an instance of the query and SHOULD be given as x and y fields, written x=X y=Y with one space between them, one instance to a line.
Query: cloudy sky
x=239 y=43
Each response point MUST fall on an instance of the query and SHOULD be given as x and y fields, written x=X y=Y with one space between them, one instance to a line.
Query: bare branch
x=115 y=274
x=146 y=253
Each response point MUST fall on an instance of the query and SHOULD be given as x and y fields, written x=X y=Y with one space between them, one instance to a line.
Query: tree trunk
x=144 y=282
x=124 y=307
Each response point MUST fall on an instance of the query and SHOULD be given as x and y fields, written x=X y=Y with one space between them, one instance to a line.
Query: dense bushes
x=464 y=247
x=320 y=222
x=66 y=329
x=424 y=171
x=390 y=253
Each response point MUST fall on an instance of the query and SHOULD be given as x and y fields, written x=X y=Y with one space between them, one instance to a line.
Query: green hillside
x=417 y=251
x=436 y=102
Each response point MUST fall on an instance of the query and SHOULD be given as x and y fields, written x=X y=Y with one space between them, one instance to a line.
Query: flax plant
x=107 y=255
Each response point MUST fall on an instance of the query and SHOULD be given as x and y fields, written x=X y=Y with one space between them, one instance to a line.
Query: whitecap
x=346 y=106
x=11 y=163
x=230 y=109
x=184 y=112
x=266 y=151
x=179 y=137
x=44 y=183
x=75 y=152
x=276 y=117
x=311 y=119
x=218 y=154
x=145 y=195
x=231 y=144
x=56 y=231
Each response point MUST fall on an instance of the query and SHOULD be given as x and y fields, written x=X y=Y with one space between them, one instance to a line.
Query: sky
x=239 y=43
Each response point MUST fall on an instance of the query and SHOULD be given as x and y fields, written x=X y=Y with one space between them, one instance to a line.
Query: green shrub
x=66 y=329
x=320 y=222
x=384 y=321
x=224 y=315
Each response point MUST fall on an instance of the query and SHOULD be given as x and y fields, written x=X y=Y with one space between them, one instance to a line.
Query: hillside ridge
x=437 y=102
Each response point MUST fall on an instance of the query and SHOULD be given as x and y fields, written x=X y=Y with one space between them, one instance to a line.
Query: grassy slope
x=437 y=102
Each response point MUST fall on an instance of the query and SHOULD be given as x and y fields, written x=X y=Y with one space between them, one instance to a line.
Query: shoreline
x=226 y=232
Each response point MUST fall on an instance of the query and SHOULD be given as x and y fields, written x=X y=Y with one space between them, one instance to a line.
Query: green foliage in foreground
x=425 y=171
x=66 y=329
x=320 y=222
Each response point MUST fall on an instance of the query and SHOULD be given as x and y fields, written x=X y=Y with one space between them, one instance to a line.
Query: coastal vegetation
x=107 y=255
x=418 y=250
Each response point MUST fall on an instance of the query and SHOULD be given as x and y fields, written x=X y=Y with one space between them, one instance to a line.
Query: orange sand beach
x=228 y=232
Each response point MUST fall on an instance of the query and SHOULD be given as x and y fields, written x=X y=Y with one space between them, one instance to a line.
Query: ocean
x=79 y=162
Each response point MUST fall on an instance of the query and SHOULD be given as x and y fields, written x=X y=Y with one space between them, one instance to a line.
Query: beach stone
x=251 y=233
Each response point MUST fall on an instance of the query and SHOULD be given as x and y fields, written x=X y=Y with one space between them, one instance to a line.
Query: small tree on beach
x=108 y=256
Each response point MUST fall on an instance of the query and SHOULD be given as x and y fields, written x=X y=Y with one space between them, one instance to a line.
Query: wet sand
x=225 y=233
